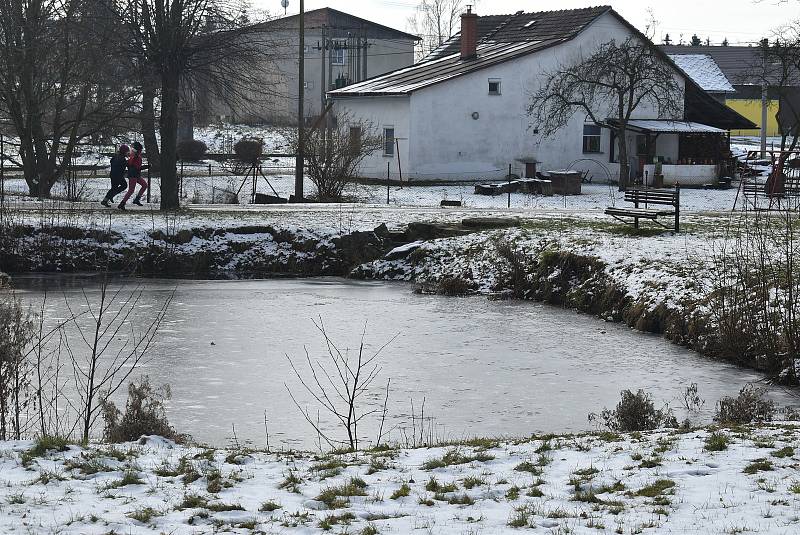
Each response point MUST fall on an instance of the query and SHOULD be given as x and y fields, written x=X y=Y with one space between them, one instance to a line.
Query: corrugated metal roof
x=662 y=126
x=521 y=27
x=704 y=70
x=427 y=73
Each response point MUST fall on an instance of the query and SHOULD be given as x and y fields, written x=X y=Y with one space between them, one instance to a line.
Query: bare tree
x=337 y=384
x=436 y=21
x=110 y=346
x=185 y=44
x=57 y=85
x=334 y=154
x=612 y=83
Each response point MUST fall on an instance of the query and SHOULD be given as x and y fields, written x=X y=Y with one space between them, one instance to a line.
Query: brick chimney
x=469 y=34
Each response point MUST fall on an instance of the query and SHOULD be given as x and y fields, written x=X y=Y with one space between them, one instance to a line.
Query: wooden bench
x=643 y=199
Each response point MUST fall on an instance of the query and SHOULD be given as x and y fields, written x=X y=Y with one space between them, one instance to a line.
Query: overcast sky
x=740 y=21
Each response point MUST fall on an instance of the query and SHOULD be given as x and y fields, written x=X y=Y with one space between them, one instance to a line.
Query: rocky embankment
x=245 y=251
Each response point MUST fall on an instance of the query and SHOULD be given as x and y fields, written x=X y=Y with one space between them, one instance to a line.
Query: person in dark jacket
x=119 y=162
x=135 y=177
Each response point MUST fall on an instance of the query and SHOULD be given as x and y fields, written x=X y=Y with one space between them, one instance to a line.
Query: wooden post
x=399 y=167
x=148 y=182
x=677 y=207
x=635 y=205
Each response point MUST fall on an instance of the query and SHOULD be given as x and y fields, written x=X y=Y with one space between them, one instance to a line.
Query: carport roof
x=665 y=126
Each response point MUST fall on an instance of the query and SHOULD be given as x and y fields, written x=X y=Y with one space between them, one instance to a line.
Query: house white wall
x=446 y=142
x=380 y=113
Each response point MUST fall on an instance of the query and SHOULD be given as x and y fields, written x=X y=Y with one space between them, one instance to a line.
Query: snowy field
x=211 y=183
x=202 y=190
x=736 y=481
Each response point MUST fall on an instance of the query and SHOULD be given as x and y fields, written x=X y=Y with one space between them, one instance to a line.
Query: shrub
x=249 y=149
x=191 y=150
x=716 y=442
x=454 y=287
x=748 y=407
x=16 y=332
x=144 y=414
x=636 y=412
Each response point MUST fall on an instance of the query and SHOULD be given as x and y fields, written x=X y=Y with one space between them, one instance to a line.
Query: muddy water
x=481 y=367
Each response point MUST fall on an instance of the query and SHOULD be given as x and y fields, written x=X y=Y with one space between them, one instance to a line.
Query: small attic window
x=531 y=23
x=494 y=86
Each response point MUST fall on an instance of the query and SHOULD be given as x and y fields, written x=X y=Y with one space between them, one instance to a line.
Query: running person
x=119 y=162
x=135 y=177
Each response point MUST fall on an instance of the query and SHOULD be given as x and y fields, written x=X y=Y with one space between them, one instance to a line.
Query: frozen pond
x=484 y=368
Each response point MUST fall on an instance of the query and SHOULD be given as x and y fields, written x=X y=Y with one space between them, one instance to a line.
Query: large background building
x=340 y=49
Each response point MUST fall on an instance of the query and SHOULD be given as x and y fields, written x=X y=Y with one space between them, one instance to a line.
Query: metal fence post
x=180 y=188
x=149 y=183
x=388 y=173
x=509 y=185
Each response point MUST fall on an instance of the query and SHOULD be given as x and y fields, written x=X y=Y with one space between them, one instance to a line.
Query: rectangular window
x=388 y=141
x=494 y=86
x=642 y=146
x=591 y=138
x=355 y=139
x=309 y=85
x=338 y=52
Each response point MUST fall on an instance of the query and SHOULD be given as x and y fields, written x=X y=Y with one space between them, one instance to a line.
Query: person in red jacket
x=135 y=176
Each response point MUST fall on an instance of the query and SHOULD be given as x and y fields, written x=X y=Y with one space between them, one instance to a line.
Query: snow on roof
x=704 y=71
x=673 y=127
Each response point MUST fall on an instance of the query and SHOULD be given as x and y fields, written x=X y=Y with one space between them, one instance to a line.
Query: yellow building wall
x=751 y=109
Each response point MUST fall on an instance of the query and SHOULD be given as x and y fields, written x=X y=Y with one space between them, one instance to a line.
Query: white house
x=461 y=113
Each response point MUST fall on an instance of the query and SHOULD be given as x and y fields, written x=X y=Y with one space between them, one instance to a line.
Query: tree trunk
x=148 y=123
x=170 y=98
x=624 y=167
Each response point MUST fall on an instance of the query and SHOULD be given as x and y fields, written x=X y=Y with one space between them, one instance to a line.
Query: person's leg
x=118 y=187
x=131 y=187
x=143 y=188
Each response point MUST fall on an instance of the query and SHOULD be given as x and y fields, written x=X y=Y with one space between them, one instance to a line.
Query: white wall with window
x=389 y=118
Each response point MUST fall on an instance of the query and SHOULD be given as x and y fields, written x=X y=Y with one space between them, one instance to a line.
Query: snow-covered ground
x=215 y=189
x=658 y=482
x=211 y=183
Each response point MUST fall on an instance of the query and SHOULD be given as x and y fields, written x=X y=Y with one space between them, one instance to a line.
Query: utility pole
x=324 y=86
x=764 y=100
x=300 y=160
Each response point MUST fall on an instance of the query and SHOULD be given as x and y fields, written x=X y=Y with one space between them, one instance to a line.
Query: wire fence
x=211 y=183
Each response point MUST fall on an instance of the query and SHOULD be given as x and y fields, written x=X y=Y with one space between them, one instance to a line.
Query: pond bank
x=657 y=282
x=703 y=481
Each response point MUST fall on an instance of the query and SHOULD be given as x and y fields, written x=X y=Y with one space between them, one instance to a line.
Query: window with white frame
x=494 y=86
x=591 y=139
x=338 y=52
x=388 y=141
